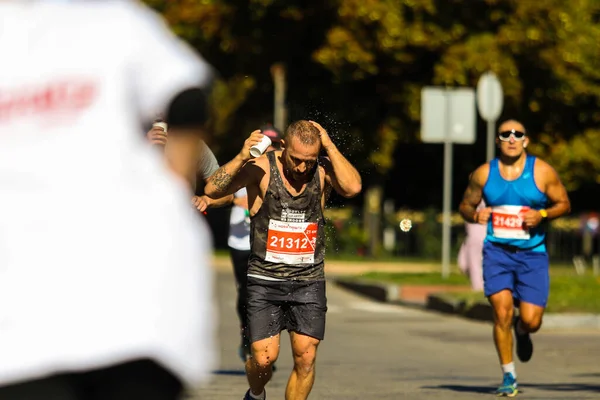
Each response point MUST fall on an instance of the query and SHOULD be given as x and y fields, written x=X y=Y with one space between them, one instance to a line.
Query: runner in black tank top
x=287 y=235
x=286 y=285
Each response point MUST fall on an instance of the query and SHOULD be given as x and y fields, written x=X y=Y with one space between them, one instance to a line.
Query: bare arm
x=228 y=179
x=236 y=174
x=473 y=194
x=339 y=173
x=556 y=192
x=220 y=202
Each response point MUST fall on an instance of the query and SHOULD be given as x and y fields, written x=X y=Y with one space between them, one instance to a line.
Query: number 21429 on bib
x=507 y=222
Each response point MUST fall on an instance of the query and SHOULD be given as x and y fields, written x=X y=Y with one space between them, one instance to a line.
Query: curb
x=479 y=311
x=385 y=293
x=571 y=321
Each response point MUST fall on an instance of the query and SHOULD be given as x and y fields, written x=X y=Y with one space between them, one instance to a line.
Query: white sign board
x=490 y=98
x=448 y=112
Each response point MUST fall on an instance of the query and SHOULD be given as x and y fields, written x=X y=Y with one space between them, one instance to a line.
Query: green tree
x=544 y=52
x=365 y=62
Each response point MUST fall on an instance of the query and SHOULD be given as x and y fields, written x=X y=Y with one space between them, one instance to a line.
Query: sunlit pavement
x=376 y=351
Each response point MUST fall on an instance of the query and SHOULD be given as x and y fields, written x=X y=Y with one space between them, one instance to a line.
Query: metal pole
x=278 y=72
x=491 y=140
x=447 y=190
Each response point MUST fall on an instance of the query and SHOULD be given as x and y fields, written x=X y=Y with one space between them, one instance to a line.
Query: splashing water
x=339 y=130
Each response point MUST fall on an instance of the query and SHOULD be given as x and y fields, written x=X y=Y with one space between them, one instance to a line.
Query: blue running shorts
x=524 y=272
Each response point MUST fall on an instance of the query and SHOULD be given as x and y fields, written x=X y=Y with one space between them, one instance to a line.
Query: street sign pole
x=489 y=103
x=491 y=139
x=447 y=116
x=447 y=201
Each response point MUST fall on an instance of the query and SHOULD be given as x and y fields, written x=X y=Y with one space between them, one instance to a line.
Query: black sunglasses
x=505 y=135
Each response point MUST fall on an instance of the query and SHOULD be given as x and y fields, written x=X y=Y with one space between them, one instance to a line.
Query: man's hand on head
x=325 y=139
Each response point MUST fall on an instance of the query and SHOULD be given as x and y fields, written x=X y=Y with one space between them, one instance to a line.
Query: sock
x=510 y=367
x=258 y=396
x=520 y=330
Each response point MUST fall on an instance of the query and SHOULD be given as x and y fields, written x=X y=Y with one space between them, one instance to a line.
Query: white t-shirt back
x=239 y=225
x=102 y=257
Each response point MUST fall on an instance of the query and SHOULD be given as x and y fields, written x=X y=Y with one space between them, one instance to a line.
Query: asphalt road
x=377 y=352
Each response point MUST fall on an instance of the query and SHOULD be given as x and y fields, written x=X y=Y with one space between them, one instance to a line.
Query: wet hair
x=306 y=132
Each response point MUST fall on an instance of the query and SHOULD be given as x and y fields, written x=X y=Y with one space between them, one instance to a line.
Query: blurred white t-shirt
x=102 y=257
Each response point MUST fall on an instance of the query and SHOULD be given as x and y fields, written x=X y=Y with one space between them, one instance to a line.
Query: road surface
x=376 y=351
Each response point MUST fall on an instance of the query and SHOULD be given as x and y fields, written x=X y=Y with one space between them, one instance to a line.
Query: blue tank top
x=505 y=197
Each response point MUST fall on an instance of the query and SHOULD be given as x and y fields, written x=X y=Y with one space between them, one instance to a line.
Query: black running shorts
x=297 y=306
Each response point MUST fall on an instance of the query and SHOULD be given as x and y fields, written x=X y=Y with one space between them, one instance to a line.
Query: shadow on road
x=554 y=387
x=463 y=388
x=588 y=375
x=565 y=387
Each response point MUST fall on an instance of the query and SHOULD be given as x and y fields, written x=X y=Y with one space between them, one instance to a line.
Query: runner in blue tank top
x=522 y=193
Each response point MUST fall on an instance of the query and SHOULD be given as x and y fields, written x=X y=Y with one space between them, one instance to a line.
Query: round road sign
x=489 y=97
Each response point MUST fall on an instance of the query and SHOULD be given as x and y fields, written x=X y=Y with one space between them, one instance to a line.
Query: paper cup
x=258 y=149
x=162 y=125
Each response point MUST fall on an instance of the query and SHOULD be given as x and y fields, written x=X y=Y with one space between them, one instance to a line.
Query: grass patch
x=331 y=256
x=417 y=278
x=574 y=293
x=569 y=292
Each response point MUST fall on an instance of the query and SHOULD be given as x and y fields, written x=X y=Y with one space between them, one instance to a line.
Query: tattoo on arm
x=471 y=199
x=472 y=195
x=221 y=179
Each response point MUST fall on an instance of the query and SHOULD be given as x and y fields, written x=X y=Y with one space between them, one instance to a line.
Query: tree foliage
x=366 y=61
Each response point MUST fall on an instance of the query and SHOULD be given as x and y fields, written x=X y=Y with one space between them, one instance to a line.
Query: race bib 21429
x=507 y=222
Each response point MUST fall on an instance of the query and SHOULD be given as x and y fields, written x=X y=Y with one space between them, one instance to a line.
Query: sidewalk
x=344 y=273
x=337 y=268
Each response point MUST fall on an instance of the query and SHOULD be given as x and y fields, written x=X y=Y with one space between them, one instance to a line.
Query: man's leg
x=529 y=321
x=503 y=307
x=259 y=366
x=532 y=286
x=302 y=378
x=530 y=317
x=239 y=260
x=498 y=287
x=306 y=324
x=265 y=322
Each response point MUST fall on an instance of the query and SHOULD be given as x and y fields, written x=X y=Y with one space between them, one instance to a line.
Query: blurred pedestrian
x=470 y=255
x=105 y=279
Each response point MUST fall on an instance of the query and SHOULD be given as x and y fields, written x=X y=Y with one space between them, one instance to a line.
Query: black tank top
x=287 y=233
